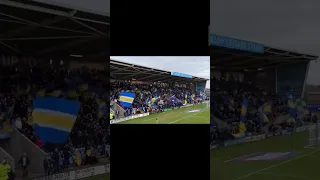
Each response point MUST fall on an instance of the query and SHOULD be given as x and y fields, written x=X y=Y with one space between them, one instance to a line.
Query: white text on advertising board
x=83 y=173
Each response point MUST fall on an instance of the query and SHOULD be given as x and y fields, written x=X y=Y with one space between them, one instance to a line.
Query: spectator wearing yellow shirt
x=3 y=171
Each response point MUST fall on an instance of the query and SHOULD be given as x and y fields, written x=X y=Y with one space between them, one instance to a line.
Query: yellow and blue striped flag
x=126 y=99
x=243 y=112
x=53 y=118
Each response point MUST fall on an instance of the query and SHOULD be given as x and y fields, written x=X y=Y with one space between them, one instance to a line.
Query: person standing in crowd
x=107 y=151
x=3 y=171
x=46 y=165
x=55 y=159
x=24 y=162
x=8 y=170
x=66 y=156
x=117 y=114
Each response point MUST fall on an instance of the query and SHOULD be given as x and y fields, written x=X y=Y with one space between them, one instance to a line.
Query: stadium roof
x=126 y=71
x=101 y=7
x=33 y=29
x=239 y=55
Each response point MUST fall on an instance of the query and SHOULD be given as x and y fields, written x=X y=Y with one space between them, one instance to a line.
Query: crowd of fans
x=227 y=96
x=152 y=97
x=20 y=85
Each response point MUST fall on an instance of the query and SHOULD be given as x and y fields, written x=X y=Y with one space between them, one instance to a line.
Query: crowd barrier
x=128 y=118
x=78 y=174
x=260 y=137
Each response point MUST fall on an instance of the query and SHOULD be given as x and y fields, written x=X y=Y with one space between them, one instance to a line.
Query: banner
x=231 y=43
x=53 y=118
x=126 y=99
x=78 y=174
x=181 y=75
x=128 y=118
x=83 y=173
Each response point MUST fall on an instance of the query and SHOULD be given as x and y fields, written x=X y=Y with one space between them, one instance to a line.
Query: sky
x=198 y=66
x=286 y=24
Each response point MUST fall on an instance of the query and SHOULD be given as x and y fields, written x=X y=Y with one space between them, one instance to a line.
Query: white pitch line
x=241 y=157
x=185 y=117
x=284 y=162
x=283 y=175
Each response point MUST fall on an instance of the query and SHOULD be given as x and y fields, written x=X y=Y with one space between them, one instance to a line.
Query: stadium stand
x=151 y=90
x=256 y=89
x=52 y=52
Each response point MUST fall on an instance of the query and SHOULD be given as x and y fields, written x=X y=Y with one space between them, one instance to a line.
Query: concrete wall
x=18 y=144
x=115 y=107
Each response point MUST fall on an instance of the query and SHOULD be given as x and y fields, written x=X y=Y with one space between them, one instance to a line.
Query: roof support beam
x=46 y=10
x=44 y=38
x=10 y=47
x=46 y=26
x=134 y=74
x=146 y=77
x=262 y=57
x=87 y=26
x=220 y=61
x=119 y=69
x=158 y=79
x=287 y=54
x=33 y=26
x=238 y=62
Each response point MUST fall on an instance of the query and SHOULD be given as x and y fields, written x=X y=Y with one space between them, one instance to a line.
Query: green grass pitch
x=304 y=166
x=178 y=116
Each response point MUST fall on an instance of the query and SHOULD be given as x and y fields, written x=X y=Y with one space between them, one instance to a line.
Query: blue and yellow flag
x=243 y=111
x=297 y=107
x=265 y=110
x=53 y=118
x=126 y=99
x=242 y=130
